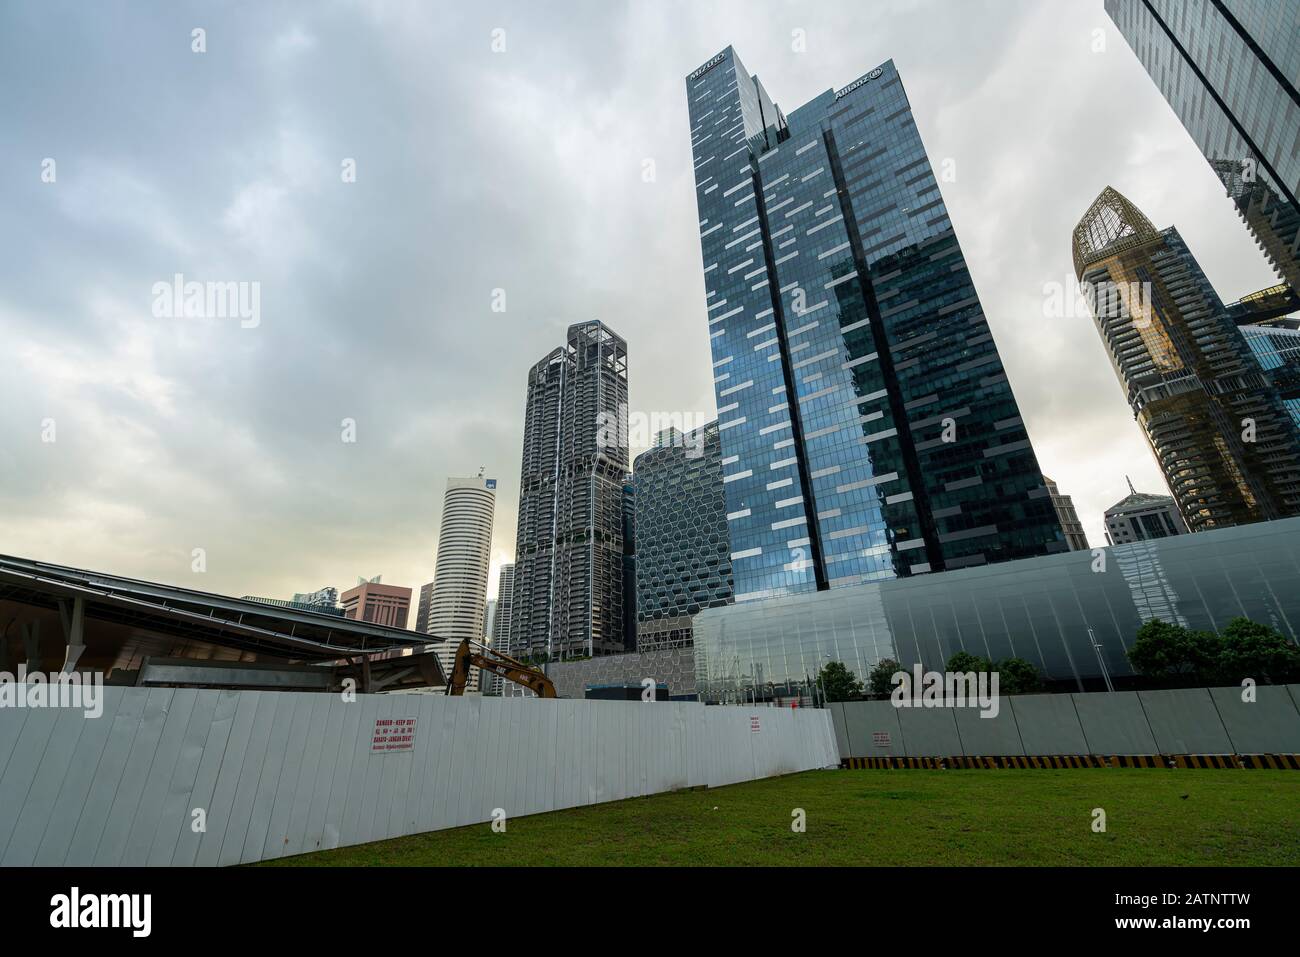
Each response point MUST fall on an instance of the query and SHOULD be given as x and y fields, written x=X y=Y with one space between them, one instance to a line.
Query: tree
x=1173 y=654
x=1254 y=650
x=1018 y=676
x=881 y=679
x=964 y=661
x=838 y=683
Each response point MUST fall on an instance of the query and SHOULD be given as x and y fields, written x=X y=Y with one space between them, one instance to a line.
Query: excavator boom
x=498 y=664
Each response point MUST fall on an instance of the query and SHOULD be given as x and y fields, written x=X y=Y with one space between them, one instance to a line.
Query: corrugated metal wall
x=285 y=773
x=1180 y=721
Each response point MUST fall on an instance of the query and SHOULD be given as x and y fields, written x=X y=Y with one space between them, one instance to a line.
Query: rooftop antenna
x=1130 y=485
x=480 y=470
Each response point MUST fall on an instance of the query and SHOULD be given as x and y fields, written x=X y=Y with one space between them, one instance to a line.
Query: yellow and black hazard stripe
x=892 y=762
x=1278 y=762
x=1137 y=761
x=1216 y=761
x=1272 y=762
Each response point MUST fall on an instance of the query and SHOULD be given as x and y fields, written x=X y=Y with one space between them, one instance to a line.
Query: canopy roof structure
x=108 y=623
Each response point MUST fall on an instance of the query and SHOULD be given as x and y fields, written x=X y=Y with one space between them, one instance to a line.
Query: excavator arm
x=472 y=654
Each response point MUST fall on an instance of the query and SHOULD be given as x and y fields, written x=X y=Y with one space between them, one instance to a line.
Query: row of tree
x=1165 y=654
x=1173 y=656
x=838 y=683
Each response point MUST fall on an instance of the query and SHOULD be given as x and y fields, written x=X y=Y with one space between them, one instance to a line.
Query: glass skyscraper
x=868 y=429
x=1229 y=69
x=1277 y=348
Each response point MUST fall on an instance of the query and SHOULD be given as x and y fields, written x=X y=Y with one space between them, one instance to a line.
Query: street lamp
x=1105 y=674
x=821 y=676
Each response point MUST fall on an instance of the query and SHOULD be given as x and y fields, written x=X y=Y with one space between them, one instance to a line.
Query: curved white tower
x=457 y=604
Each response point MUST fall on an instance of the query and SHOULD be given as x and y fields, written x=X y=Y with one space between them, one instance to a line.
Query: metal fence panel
x=983 y=733
x=109 y=768
x=279 y=773
x=42 y=789
x=1114 y=723
x=194 y=829
x=1048 y=724
x=111 y=847
x=1185 y=721
x=63 y=815
x=873 y=730
x=162 y=767
x=1268 y=725
x=929 y=732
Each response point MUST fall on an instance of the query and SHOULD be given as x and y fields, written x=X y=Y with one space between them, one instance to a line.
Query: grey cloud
x=476 y=171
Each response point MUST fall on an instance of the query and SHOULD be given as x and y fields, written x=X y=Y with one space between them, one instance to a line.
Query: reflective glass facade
x=1277 y=347
x=868 y=428
x=1229 y=69
x=1039 y=609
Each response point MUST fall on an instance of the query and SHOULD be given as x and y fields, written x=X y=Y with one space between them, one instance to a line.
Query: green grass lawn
x=1153 y=817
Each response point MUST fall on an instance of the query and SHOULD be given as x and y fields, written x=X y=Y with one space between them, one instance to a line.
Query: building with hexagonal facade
x=683 y=552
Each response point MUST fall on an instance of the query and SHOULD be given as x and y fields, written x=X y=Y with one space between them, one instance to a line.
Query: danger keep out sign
x=393 y=734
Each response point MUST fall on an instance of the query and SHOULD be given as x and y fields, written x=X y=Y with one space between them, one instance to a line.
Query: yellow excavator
x=472 y=654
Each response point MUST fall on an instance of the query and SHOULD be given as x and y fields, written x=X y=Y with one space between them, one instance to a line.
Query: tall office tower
x=505 y=609
x=499 y=633
x=372 y=600
x=1212 y=417
x=1139 y=517
x=457 y=604
x=530 y=622
x=568 y=597
x=422 y=609
x=629 y=564
x=1229 y=69
x=683 y=551
x=868 y=428
x=1068 y=516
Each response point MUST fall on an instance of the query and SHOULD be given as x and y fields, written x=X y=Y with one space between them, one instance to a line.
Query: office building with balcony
x=1212 y=417
x=569 y=543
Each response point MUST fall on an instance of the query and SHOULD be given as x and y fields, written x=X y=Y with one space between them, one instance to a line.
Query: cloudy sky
x=478 y=170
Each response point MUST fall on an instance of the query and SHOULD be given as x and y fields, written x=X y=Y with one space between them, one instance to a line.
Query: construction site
x=228 y=731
